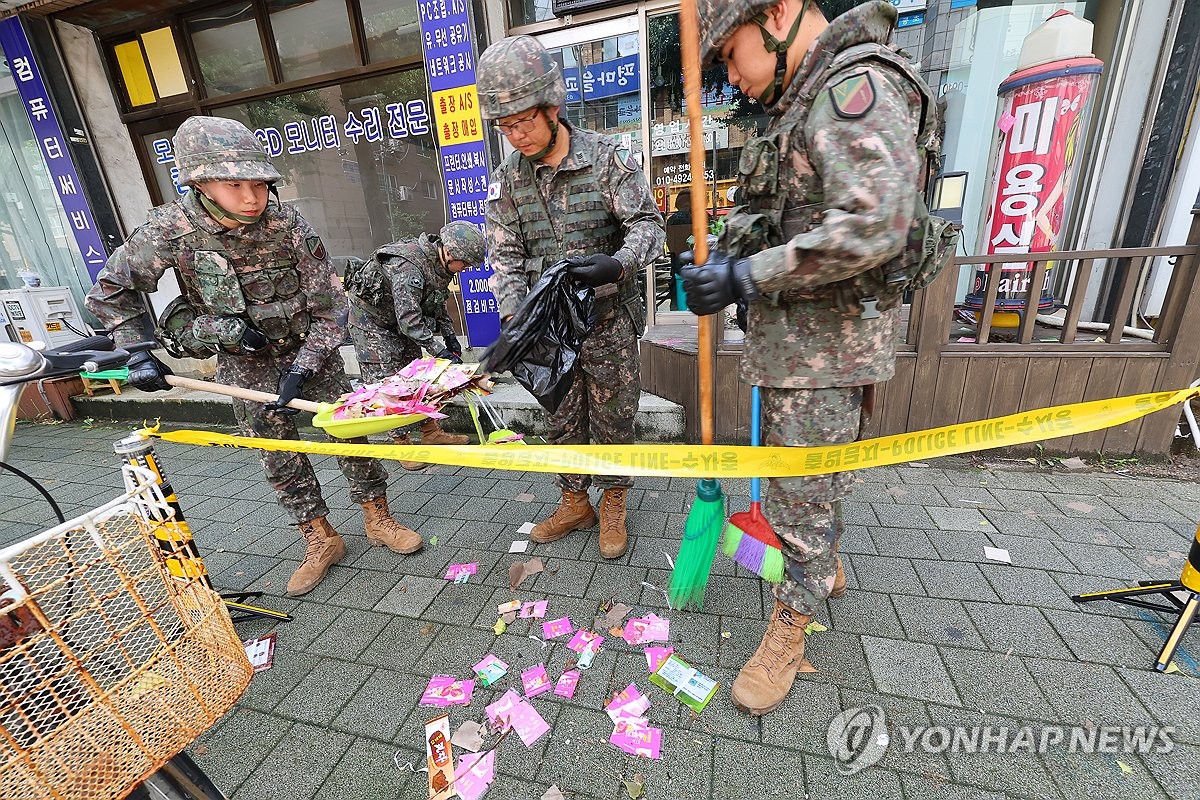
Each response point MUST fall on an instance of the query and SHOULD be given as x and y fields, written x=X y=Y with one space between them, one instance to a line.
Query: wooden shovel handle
x=238 y=392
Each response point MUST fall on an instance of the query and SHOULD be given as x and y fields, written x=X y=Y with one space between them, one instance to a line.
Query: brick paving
x=930 y=631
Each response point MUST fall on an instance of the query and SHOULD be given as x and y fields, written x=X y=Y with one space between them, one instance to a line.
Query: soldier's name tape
x=717 y=461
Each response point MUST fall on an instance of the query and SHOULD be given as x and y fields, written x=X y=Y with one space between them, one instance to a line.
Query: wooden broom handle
x=689 y=34
x=238 y=392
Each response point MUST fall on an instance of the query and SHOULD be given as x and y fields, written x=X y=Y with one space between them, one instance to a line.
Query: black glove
x=595 y=270
x=289 y=389
x=716 y=283
x=743 y=315
x=254 y=340
x=450 y=355
x=452 y=344
x=148 y=373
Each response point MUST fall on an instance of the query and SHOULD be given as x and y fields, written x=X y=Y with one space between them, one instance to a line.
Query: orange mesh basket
x=109 y=665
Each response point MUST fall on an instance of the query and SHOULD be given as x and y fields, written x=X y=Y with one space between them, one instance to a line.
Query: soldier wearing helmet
x=574 y=194
x=831 y=191
x=398 y=304
x=259 y=292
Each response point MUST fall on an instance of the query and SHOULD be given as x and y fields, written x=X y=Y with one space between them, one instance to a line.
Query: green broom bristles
x=701 y=534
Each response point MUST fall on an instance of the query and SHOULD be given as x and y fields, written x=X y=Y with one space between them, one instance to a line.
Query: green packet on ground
x=692 y=688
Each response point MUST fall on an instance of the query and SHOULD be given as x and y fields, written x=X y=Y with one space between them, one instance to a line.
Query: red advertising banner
x=1040 y=129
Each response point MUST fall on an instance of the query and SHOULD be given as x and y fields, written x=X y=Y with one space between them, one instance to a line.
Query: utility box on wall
x=41 y=314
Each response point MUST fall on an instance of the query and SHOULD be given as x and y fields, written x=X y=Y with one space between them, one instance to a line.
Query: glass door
x=603 y=67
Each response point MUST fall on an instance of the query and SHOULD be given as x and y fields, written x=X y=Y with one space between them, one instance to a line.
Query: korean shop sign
x=53 y=144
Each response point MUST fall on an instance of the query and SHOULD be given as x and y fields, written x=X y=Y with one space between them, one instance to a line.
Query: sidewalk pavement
x=931 y=631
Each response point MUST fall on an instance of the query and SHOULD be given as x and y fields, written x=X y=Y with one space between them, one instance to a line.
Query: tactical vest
x=590 y=227
x=256 y=281
x=366 y=282
x=770 y=217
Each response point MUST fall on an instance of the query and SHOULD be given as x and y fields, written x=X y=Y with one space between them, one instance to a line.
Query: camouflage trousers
x=806 y=512
x=291 y=474
x=603 y=399
x=380 y=352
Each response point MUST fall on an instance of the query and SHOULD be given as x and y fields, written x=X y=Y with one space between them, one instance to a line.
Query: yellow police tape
x=717 y=461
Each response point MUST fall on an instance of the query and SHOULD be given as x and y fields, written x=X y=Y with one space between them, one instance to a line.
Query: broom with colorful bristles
x=749 y=538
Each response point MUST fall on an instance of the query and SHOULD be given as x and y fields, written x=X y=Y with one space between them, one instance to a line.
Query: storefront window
x=392 y=29
x=729 y=120
x=35 y=235
x=526 y=12
x=312 y=36
x=229 y=50
x=603 y=80
x=358 y=159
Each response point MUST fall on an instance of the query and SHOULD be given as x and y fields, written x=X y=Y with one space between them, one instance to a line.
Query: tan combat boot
x=382 y=528
x=574 y=513
x=432 y=433
x=613 y=539
x=768 y=676
x=411 y=466
x=839 y=580
x=325 y=548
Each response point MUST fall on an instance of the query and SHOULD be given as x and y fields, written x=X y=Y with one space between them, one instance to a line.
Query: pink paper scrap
x=557 y=627
x=457 y=572
x=536 y=680
x=1006 y=122
x=446 y=690
x=584 y=639
x=636 y=738
x=655 y=656
x=627 y=703
x=567 y=683
x=474 y=774
x=534 y=609
x=651 y=628
x=519 y=715
x=490 y=670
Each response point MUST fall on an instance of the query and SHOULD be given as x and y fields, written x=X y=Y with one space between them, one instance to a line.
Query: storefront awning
x=93 y=14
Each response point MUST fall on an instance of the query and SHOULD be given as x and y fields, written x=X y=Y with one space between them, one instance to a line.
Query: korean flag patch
x=493 y=191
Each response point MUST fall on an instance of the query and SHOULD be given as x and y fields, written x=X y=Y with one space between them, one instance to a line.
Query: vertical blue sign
x=52 y=143
x=450 y=66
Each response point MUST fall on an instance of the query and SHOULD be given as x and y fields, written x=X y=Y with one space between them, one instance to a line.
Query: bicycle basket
x=109 y=665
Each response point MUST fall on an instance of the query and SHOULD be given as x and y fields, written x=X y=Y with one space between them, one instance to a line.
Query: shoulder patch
x=853 y=96
x=493 y=191
x=625 y=160
x=316 y=247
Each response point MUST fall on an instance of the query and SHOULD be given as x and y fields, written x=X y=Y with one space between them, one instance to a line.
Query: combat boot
x=325 y=548
x=839 y=580
x=613 y=539
x=383 y=529
x=574 y=513
x=768 y=676
x=411 y=466
x=432 y=433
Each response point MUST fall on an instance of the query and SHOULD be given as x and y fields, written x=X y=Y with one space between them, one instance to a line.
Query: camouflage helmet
x=720 y=18
x=517 y=74
x=463 y=242
x=220 y=149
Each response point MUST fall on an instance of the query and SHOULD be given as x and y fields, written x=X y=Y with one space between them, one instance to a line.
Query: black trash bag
x=541 y=341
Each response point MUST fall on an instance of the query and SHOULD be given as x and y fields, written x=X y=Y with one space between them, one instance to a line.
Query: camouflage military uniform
x=595 y=201
x=291 y=293
x=397 y=305
x=847 y=178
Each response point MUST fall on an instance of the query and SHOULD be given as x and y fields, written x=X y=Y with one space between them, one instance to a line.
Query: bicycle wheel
x=179 y=779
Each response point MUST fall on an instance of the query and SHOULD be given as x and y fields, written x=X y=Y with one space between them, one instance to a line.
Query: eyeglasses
x=519 y=126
